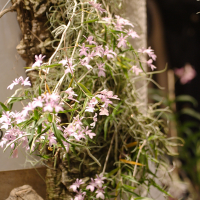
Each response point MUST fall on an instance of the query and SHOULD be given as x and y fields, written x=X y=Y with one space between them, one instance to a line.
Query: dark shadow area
x=174 y=34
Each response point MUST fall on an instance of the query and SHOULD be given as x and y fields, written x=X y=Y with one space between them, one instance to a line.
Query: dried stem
x=63 y=35
x=108 y=154
x=140 y=149
x=11 y=9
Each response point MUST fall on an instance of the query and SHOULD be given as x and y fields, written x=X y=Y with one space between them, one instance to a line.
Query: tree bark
x=36 y=36
x=62 y=175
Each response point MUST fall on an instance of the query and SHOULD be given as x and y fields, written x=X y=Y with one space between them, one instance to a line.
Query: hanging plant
x=84 y=116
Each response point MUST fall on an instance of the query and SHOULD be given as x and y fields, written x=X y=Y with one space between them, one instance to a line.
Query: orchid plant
x=84 y=106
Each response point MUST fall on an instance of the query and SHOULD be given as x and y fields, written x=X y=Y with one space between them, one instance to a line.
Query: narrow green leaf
x=111 y=72
x=105 y=36
x=113 y=172
x=74 y=144
x=191 y=112
x=71 y=110
x=114 y=43
x=39 y=129
x=30 y=138
x=36 y=115
x=122 y=65
x=57 y=134
x=49 y=118
x=1 y=112
x=68 y=159
x=154 y=137
x=129 y=189
x=40 y=121
x=55 y=160
x=16 y=99
x=49 y=66
x=40 y=133
x=135 y=52
x=40 y=92
x=188 y=98
x=106 y=127
x=125 y=72
x=46 y=129
x=84 y=105
x=24 y=124
x=88 y=45
x=4 y=107
x=159 y=188
x=91 y=30
x=10 y=105
x=85 y=89
x=116 y=31
x=44 y=156
x=99 y=38
x=129 y=178
x=90 y=21
x=33 y=142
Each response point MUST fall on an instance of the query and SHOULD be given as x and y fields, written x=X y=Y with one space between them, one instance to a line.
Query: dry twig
x=11 y=9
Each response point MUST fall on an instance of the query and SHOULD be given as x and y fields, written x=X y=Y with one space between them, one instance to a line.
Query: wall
x=11 y=67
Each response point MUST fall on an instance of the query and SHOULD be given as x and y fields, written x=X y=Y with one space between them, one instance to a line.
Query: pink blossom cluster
x=12 y=134
x=119 y=24
x=151 y=54
x=9 y=121
x=92 y=125
x=101 y=70
x=71 y=94
x=96 y=183
x=49 y=135
x=105 y=97
x=77 y=130
x=38 y=61
x=49 y=103
x=68 y=64
x=135 y=69
x=186 y=73
x=122 y=40
x=19 y=80
x=97 y=6
x=97 y=51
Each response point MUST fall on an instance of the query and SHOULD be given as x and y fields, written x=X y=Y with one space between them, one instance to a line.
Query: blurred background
x=174 y=34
